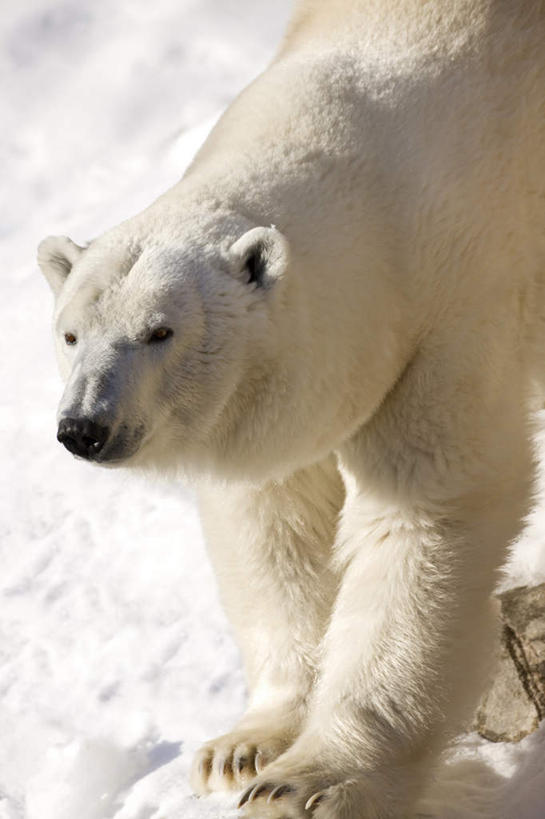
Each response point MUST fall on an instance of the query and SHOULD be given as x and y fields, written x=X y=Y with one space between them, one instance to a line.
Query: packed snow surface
x=116 y=660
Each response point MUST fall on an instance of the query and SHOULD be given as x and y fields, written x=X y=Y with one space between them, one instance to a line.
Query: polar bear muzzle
x=93 y=441
x=82 y=437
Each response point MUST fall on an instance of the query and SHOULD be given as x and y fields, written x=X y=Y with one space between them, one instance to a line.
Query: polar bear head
x=197 y=336
x=162 y=344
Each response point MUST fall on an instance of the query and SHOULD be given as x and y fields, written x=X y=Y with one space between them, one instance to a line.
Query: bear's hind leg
x=271 y=549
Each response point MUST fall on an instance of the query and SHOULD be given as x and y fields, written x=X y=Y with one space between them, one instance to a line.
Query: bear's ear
x=56 y=256
x=260 y=256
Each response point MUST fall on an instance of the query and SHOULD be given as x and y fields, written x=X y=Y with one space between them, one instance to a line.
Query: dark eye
x=256 y=265
x=70 y=338
x=161 y=334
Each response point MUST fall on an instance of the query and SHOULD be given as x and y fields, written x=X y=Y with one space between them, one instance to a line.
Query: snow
x=116 y=660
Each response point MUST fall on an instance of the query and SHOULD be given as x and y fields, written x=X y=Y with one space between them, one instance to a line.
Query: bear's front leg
x=406 y=651
x=271 y=548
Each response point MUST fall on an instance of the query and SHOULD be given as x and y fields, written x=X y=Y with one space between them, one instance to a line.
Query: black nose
x=82 y=437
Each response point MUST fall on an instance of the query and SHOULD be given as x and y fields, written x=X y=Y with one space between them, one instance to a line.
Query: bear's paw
x=231 y=761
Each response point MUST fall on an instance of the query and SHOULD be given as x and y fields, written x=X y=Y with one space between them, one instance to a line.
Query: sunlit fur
x=358 y=423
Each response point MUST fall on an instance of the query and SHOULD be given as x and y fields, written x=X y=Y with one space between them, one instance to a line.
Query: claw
x=279 y=791
x=314 y=800
x=221 y=766
x=251 y=793
x=244 y=798
x=204 y=766
x=257 y=791
x=258 y=762
x=241 y=763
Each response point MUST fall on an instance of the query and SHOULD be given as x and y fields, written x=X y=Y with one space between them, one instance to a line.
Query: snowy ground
x=115 y=659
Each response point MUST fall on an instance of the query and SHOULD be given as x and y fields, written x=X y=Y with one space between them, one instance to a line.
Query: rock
x=515 y=703
x=506 y=713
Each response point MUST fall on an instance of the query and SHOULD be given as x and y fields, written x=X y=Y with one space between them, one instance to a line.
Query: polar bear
x=333 y=325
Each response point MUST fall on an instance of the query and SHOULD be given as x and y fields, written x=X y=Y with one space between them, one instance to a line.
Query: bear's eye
x=161 y=334
x=70 y=338
x=256 y=265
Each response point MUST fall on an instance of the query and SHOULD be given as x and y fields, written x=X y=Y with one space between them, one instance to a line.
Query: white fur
x=359 y=419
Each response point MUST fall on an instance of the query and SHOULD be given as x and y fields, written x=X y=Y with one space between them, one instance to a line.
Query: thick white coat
x=359 y=418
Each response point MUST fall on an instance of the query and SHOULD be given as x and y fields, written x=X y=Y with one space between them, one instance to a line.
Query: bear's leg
x=423 y=532
x=271 y=549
